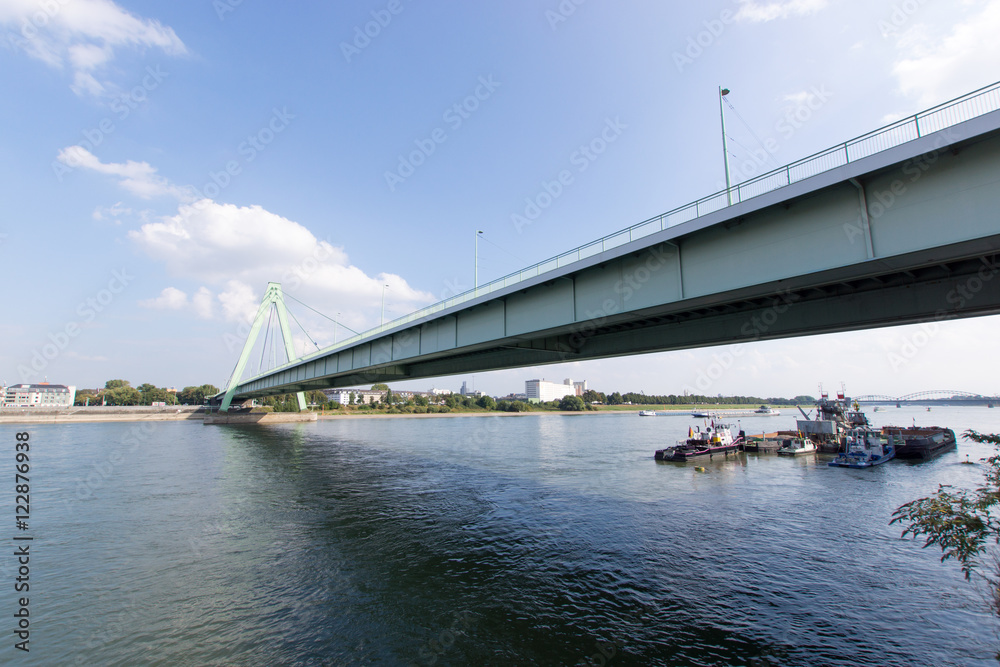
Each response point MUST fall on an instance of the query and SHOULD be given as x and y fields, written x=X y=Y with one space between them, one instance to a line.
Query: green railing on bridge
x=958 y=110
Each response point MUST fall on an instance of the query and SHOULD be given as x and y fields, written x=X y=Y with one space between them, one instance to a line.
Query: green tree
x=421 y=401
x=963 y=522
x=122 y=396
x=572 y=403
x=486 y=402
x=380 y=386
x=117 y=384
x=86 y=397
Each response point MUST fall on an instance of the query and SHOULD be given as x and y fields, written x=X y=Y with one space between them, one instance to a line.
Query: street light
x=476 y=280
x=725 y=150
x=382 y=319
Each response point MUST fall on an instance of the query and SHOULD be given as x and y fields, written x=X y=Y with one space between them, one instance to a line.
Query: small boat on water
x=647 y=413
x=865 y=448
x=762 y=411
x=797 y=445
x=702 y=441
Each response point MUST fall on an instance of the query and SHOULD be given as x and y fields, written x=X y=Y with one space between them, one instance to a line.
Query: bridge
x=898 y=226
x=932 y=395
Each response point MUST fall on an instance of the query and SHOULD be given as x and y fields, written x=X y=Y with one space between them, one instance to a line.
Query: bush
x=443 y=409
x=571 y=404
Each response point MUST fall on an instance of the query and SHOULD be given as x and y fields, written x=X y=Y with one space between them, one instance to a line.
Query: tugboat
x=708 y=441
x=865 y=448
x=797 y=445
x=833 y=419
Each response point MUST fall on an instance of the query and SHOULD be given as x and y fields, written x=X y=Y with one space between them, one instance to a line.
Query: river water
x=531 y=540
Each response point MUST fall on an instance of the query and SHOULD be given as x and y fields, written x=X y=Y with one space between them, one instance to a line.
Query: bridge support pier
x=273 y=296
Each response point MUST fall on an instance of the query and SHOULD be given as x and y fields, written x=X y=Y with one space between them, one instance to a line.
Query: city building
x=42 y=395
x=540 y=391
x=465 y=391
x=343 y=396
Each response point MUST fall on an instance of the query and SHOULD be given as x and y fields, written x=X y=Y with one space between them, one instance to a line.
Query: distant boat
x=647 y=413
x=765 y=410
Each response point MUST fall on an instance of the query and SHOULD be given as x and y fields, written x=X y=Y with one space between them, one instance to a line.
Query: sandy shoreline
x=76 y=418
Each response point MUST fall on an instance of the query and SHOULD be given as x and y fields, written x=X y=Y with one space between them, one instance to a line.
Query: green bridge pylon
x=273 y=296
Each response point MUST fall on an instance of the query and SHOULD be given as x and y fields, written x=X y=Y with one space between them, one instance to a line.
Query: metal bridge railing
x=958 y=110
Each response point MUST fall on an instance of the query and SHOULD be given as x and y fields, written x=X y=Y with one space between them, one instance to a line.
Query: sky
x=160 y=163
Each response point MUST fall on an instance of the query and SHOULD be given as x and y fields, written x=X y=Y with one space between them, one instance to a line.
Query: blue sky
x=162 y=162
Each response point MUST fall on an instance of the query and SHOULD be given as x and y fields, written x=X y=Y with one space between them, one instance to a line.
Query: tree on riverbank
x=964 y=523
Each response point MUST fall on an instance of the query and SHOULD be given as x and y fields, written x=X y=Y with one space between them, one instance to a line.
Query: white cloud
x=934 y=67
x=242 y=248
x=83 y=33
x=245 y=247
x=239 y=303
x=756 y=12
x=139 y=178
x=170 y=298
x=114 y=211
x=203 y=304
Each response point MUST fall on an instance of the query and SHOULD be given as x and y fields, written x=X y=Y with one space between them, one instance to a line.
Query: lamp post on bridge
x=475 y=282
x=725 y=149
x=382 y=318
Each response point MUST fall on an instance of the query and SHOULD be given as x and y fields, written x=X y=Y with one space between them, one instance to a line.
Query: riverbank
x=99 y=414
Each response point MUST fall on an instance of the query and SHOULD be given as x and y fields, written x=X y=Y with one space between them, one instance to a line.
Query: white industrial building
x=43 y=395
x=343 y=396
x=541 y=391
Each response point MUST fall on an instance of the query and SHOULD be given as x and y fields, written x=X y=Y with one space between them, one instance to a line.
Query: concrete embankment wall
x=100 y=413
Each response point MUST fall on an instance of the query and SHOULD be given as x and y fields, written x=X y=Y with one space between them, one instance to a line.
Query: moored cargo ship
x=921 y=442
